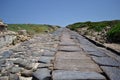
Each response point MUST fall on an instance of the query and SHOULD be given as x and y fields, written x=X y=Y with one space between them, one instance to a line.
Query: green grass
x=30 y=28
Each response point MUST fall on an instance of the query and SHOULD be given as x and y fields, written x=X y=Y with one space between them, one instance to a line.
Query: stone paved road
x=62 y=55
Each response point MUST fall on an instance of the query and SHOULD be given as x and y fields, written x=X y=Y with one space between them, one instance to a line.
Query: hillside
x=104 y=31
x=32 y=28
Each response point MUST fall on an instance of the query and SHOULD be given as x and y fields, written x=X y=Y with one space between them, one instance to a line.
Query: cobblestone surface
x=61 y=55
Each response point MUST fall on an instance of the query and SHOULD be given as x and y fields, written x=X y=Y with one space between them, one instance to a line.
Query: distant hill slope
x=104 y=31
x=32 y=28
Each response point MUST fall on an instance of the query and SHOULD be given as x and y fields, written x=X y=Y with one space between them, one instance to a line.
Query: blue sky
x=58 y=12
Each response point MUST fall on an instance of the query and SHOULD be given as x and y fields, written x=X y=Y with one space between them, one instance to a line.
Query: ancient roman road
x=61 y=55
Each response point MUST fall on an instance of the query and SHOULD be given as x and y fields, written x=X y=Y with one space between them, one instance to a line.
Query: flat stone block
x=66 y=44
x=76 y=75
x=97 y=54
x=45 y=59
x=69 y=48
x=112 y=72
x=43 y=65
x=82 y=40
x=106 y=61
x=48 y=53
x=79 y=65
x=72 y=55
x=42 y=74
x=7 y=54
x=88 y=48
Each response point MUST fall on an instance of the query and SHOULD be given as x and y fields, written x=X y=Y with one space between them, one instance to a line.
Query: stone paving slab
x=72 y=55
x=66 y=44
x=84 y=41
x=45 y=59
x=88 y=48
x=69 y=48
x=112 y=72
x=42 y=74
x=76 y=64
x=106 y=61
x=97 y=54
x=76 y=75
x=48 y=53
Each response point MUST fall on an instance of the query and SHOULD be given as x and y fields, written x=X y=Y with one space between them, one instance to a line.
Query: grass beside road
x=31 y=28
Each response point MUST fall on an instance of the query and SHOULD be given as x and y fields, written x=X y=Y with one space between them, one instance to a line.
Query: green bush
x=114 y=34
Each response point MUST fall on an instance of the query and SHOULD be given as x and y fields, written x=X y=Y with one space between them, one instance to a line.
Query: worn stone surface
x=76 y=75
x=48 y=53
x=66 y=44
x=42 y=74
x=60 y=54
x=7 y=54
x=27 y=73
x=72 y=55
x=22 y=59
x=45 y=59
x=43 y=65
x=69 y=48
x=13 y=77
x=83 y=41
x=88 y=48
x=112 y=72
x=4 y=78
x=97 y=54
x=75 y=64
x=106 y=61
x=15 y=70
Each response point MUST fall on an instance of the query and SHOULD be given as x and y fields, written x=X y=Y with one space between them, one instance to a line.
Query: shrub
x=114 y=34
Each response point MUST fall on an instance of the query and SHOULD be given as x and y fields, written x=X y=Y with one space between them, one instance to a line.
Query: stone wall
x=6 y=39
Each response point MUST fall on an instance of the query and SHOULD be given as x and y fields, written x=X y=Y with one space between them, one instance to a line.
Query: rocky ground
x=21 y=61
x=62 y=55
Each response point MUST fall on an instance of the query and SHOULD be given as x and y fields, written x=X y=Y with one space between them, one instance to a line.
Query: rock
x=43 y=65
x=4 y=78
x=24 y=63
x=18 y=61
x=76 y=75
x=29 y=65
x=42 y=74
x=25 y=78
x=2 y=61
x=48 y=53
x=13 y=77
x=106 y=61
x=35 y=66
x=27 y=73
x=7 y=54
x=15 y=69
x=44 y=59
x=22 y=32
x=112 y=72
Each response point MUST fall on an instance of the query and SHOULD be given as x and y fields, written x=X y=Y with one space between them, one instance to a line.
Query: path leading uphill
x=62 y=55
